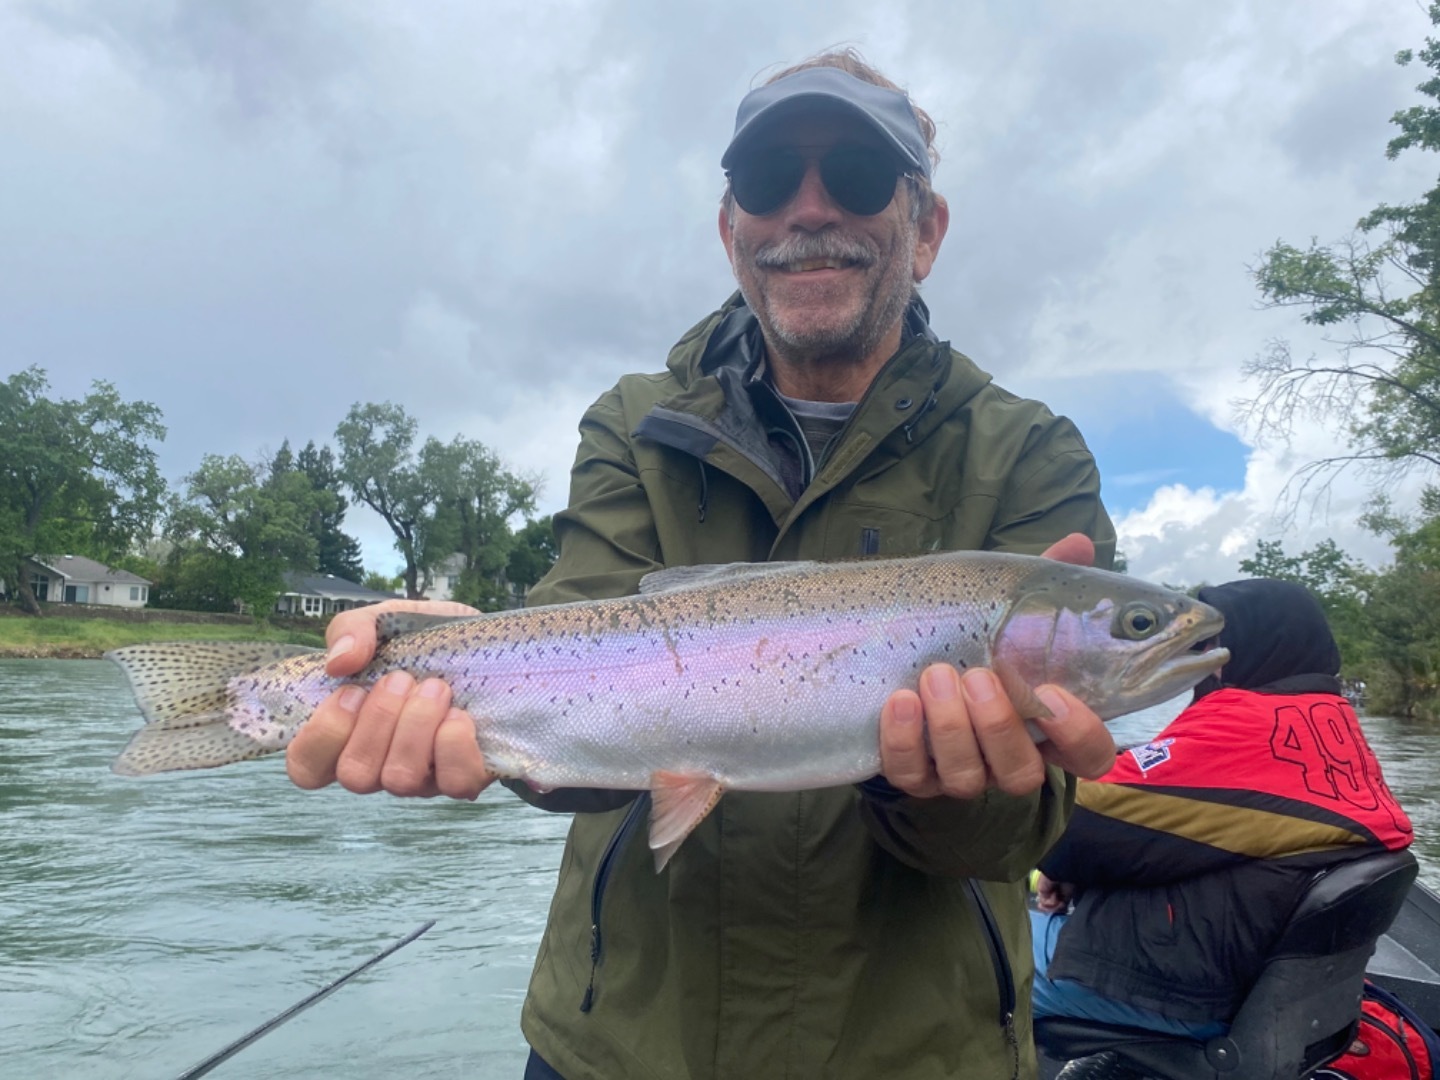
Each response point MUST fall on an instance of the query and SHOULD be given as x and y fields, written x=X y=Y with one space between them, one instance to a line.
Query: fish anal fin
x=678 y=803
x=1020 y=693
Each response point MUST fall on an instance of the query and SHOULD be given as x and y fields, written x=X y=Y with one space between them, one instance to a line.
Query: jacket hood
x=1274 y=630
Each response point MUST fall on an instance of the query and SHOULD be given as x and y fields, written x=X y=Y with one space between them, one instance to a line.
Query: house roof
x=330 y=587
x=79 y=568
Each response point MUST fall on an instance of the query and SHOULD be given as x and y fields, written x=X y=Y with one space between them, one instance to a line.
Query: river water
x=146 y=924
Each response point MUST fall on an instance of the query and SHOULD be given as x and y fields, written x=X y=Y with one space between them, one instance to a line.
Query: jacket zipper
x=612 y=854
x=1397 y=1037
x=1000 y=961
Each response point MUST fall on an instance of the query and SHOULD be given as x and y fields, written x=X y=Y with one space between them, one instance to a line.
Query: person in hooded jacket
x=1185 y=860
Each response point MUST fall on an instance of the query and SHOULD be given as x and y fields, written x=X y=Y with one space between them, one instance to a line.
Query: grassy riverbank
x=68 y=638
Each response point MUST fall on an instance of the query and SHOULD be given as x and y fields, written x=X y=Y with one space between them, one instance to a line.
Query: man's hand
x=1052 y=897
x=976 y=739
x=401 y=737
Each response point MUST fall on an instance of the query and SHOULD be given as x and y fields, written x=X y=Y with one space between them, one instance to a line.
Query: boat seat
x=1303 y=1008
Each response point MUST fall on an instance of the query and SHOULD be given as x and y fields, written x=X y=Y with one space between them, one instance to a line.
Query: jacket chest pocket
x=859 y=528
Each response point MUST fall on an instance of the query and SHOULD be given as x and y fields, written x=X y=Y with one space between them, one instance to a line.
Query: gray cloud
x=256 y=214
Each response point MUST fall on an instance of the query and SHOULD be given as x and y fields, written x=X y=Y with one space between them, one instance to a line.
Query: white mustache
x=806 y=246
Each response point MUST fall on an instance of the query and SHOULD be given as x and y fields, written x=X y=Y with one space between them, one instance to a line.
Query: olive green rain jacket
x=815 y=934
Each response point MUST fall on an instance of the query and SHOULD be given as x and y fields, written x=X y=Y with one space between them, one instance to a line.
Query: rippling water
x=146 y=924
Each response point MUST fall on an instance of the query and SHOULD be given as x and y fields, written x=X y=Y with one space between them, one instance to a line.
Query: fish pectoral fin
x=678 y=803
x=1021 y=695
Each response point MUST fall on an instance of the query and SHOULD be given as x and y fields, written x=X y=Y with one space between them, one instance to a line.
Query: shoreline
x=50 y=652
x=57 y=637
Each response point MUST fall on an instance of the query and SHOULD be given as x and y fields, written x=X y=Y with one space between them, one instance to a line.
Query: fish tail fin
x=207 y=742
x=193 y=721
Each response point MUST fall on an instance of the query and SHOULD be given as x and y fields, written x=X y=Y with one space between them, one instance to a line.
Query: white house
x=318 y=595
x=444 y=578
x=74 y=579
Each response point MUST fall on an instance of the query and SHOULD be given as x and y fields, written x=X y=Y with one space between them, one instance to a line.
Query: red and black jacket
x=1192 y=851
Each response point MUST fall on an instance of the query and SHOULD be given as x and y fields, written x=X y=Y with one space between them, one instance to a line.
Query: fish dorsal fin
x=684 y=577
x=393 y=624
x=678 y=803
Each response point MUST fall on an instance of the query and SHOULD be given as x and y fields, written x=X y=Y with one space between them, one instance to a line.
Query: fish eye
x=1137 y=621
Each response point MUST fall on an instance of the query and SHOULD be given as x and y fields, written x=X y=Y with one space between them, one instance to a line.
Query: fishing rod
x=300 y=1006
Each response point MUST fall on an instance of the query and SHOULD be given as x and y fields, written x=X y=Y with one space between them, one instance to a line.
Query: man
x=1190 y=854
x=833 y=933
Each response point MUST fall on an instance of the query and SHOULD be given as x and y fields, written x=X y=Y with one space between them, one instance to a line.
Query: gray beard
x=854 y=341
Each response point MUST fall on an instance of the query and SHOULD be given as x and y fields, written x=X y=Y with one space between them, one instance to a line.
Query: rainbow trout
x=752 y=676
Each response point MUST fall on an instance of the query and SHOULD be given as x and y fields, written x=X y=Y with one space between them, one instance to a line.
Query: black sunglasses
x=859 y=179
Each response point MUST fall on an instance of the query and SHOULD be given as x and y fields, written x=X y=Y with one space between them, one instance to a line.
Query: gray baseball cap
x=887 y=111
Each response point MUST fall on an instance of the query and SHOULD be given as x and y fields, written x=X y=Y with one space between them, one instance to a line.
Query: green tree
x=378 y=463
x=76 y=476
x=239 y=527
x=387 y=583
x=1376 y=295
x=535 y=551
x=1404 y=612
x=473 y=519
x=336 y=551
x=438 y=500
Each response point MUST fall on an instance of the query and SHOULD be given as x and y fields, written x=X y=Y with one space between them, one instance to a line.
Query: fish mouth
x=1186 y=669
x=1182 y=661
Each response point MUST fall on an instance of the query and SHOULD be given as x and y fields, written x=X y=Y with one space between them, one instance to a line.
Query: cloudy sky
x=255 y=214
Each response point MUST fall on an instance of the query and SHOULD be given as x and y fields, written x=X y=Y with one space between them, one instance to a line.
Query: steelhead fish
x=751 y=676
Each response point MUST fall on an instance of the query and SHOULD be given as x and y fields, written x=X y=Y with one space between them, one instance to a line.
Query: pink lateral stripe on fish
x=748 y=676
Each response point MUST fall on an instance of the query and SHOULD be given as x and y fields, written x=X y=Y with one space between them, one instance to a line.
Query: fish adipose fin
x=679 y=802
x=394 y=624
x=181 y=688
